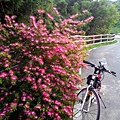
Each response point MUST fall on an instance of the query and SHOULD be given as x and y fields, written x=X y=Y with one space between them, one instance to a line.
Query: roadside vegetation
x=101 y=44
x=116 y=28
x=105 y=12
x=40 y=57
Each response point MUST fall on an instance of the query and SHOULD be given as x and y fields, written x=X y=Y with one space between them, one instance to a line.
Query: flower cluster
x=84 y=11
x=39 y=69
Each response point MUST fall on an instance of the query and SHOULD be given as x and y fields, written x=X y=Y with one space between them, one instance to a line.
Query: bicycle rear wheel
x=94 y=110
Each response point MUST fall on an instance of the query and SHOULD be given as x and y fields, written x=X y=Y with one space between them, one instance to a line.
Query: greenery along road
x=111 y=84
x=40 y=87
x=105 y=12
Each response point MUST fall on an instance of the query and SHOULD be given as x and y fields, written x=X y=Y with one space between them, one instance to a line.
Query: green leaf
x=0 y=81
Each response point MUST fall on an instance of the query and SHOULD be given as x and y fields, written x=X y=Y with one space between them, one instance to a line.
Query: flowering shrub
x=39 y=69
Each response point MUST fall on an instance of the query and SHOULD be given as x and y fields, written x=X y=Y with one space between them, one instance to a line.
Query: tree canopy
x=105 y=12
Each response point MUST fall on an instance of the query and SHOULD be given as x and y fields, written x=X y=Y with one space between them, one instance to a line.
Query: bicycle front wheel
x=90 y=107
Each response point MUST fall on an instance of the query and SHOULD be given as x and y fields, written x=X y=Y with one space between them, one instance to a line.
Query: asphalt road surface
x=110 y=84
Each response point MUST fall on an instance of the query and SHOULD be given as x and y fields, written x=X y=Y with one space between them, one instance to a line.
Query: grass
x=101 y=44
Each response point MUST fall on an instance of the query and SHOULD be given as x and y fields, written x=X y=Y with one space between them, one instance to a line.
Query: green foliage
x=105 y=12
x=23 y=9
x=62 y=4
x=101 y=10
x=116 y=28
x=101 y=44
x=105 y=17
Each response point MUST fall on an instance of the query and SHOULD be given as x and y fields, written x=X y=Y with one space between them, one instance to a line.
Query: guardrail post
x=94 y=39
x=100 y=38
x=107 y=37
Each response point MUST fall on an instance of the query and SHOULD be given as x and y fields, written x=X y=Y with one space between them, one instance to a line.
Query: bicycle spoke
x=89 y=105
x=90 y=109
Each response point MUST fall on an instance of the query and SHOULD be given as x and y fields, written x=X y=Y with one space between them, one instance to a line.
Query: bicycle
x=87 y=107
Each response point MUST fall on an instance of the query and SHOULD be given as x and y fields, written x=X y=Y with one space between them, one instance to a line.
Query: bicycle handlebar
x=100 y=67
x=111 y=72
x=87 y=62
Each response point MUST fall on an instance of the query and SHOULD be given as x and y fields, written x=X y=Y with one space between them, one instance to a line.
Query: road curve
x=110 y=84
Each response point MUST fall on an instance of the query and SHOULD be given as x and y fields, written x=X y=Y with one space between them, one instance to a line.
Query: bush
x=39 y=69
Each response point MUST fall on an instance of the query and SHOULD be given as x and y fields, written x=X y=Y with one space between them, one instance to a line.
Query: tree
x=105 y=17
x=62 y=4
x=99 y=9
x=23 y=8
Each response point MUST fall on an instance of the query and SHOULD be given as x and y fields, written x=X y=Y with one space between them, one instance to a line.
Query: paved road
x=111 y=84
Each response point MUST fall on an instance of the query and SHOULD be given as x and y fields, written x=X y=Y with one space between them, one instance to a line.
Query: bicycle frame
x=91 y=94
x=85 y=97
x=90 y=86
x=84 y=100
x=99 y=70
x=86 y=94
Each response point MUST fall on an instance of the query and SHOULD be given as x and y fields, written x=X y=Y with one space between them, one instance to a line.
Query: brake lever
x=113 y=73
x=89 y=63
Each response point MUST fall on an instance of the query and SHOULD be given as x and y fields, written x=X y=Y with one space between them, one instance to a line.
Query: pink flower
x=50 y=16
x=34 y=86
x=39 y=80
x=23 y=25
x=50 y=113
x=41 y=11
x=47 y=99
x=58 y=103
x=73 y=16
x=11 y=72
x=56 y=107
x=54 y=94
x=6 y=65
x=45 y=94
x=42 y=71
x=23 y=98
x=14 y=104
x=29 y=78
x=38 y=107
x=43 y=86
x=13 y=17
x=13 y=77
x=21 y=104
x=27 y=106
x=6 y=93
x=33 y=21
x=84 y=11
x=2 y=98
x=40 y=61
x=56 y=11
x=8 y=20
x=3 y=74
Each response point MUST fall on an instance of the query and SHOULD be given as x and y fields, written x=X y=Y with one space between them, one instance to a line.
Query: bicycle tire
x=94 y=111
